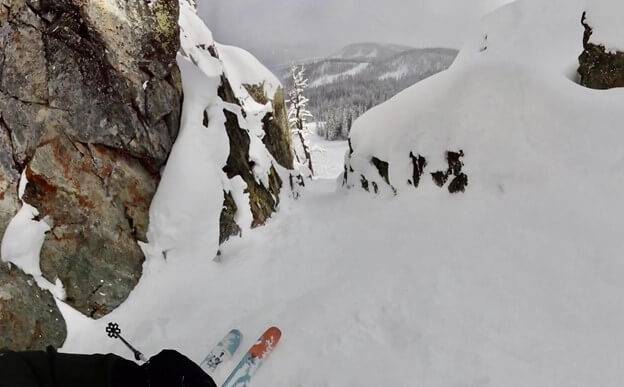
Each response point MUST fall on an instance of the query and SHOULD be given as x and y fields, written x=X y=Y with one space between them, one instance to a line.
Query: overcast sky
x=278 y=30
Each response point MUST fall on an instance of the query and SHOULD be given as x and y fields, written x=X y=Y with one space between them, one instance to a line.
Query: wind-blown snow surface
x=517 y=282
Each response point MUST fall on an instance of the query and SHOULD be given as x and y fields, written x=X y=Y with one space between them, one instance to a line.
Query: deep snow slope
x=417 y=290
x=516 y=282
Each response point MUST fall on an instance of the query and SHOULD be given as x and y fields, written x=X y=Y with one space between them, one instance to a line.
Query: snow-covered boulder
x=508 y=113
x=602 y=61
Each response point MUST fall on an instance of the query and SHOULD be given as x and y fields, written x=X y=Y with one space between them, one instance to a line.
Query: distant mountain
x=370 y=51
x=363 y=75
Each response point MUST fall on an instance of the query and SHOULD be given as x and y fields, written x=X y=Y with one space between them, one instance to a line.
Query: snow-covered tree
x=298 y=113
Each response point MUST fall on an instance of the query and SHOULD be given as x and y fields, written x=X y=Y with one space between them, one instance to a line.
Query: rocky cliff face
x=90 y=100
x=263 y=199
x=599 y=69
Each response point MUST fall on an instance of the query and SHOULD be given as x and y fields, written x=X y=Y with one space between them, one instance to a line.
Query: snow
x=192 y=182
x=607 y=27
x=517 y=282
x=184 y=216
x=512 y=109
x=327 y=79
x=22 y=241
x=242 y=68
x=547 y=34
x=421 y=288
x=328 y=156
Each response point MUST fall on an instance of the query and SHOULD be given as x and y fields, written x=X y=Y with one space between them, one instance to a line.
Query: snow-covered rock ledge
x=507 y=113
x=233 y=155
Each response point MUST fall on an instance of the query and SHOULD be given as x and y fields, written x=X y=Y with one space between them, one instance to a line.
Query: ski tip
x=272 y=335
x=274 y=331
x=236 y=333
x=269 y=339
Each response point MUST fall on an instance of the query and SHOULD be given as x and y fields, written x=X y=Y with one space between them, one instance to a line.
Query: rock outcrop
x=263 y=200
x=599 y=69
x=373 y=179
x=98 y=199
x=29 y=318
x=90 y=101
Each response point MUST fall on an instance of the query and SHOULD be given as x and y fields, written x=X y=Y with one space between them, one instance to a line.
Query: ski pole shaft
x=137 y=354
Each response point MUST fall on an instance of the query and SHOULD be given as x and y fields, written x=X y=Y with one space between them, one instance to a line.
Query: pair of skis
x=251 y=361
x=223 y=351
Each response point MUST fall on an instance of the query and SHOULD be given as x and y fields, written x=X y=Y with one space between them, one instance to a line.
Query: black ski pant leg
x=172 y=369
x=53 y=369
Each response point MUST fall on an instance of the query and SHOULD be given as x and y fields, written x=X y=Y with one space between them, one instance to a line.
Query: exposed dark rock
x=263 y=202
x=599 y=69
x=382 y=168
x=439 y=178
x=455 y=165
x=98 y=199
x=228 y=226
x=29 y=317
x=419 y=163
x=454 y=162
x=106 y=72
x=9 y=180
x=278 y=139
x=364 y=184
x=458 y=184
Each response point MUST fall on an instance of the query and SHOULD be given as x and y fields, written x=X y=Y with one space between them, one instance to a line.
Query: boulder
x=29 y=317
x=98 y=200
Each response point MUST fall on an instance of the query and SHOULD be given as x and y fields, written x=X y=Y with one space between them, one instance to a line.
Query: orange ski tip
x=274 y=331
x=266 y=343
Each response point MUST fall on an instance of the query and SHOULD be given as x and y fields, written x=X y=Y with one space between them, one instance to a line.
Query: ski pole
x=114 y=332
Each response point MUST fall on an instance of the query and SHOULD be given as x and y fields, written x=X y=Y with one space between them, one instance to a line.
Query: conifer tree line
x=336 y=102
x=337 y=105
